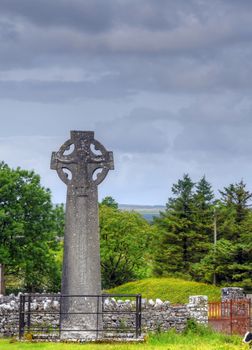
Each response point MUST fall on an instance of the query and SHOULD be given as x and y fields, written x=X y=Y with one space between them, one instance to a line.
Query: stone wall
x=156 y=315
x=232 y=293
x=9 y=315
x=198 y=308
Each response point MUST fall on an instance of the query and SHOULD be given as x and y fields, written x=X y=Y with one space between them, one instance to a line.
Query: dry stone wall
x=232 y=293
x=198 y=308
x=161 y=316
x=156 y=315
x=9 y=315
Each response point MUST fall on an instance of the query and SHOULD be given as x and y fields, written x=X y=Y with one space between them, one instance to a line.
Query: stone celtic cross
x=82 y=163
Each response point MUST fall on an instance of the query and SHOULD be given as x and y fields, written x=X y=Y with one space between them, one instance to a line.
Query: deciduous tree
x=125 y=238
x=27 y=229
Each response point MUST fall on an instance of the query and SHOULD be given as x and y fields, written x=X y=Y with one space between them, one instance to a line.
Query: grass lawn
x=175 y=290
x=166 y=341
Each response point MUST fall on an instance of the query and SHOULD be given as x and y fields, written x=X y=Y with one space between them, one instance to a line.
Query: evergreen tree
x=218 y=261
x=175 y=246
x=183 y=200
x=236 y=197
x=204 y=195
x=203 y=216
x=204 y=209
x=245 y=252
x=231 y=259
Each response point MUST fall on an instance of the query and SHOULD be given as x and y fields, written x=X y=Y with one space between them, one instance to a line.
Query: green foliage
x=125 y=238
x=231 y=258
x=184 y=244
x=184 y=228
x=236 y=196
x=27 y=229
x=179 y=243
x=58 y=220
x=109 y=202
x=223 y=260
x=175 y=290
x=192 y=327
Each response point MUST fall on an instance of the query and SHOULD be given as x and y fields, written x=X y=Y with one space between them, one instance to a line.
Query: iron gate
x=45 y=322
x=231 y=317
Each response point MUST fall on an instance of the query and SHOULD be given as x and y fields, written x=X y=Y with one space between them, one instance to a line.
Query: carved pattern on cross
x=82 y=162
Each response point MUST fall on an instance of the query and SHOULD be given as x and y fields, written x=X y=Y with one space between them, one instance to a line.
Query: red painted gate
x=231 y=316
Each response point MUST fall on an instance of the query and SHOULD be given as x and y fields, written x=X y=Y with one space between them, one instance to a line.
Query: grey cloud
x=143 y=131
x=187 y=39
x=162 y=46
x=92 y=16
x=8 y=31
x=212 y=131
x=118 y=78
x=188 y=62
x=96 y=15
x=127 y=27
x=47 y=92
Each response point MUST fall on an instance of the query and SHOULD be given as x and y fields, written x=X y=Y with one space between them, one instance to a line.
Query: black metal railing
x=42 y=315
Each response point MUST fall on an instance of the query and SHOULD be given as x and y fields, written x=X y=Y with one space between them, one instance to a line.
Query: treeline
x=180 y=242
x=197 y=237
x=32 y=231
x=205 y=238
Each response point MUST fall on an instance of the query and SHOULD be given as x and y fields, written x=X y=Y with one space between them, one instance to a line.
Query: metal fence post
x=138 y=315
x=60 y=315
x=29 y=313
x=21 y=315
x=231 y=316
x=97 y=318
x=248 y=313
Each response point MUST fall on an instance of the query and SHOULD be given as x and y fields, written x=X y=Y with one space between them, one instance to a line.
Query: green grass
x=175 y=290
x=199 y=340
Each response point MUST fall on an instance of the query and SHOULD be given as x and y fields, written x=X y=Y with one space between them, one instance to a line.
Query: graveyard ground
x=175 y=290
x=201 y=340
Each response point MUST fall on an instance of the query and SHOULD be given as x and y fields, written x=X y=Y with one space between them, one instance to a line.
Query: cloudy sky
x=166 y=85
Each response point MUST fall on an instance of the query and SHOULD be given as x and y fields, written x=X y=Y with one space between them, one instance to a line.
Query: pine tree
x=203 y=195
x=204 y=209
x=231 y=258
x=175 y=251
x=245 y=252
x=203 y=216
x=236 y=197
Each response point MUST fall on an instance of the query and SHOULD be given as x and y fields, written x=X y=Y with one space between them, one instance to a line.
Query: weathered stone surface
x=81 y=263
x=198 y=308
x=232 y=293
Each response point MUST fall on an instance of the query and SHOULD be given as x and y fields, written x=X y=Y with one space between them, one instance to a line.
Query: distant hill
x=147 y=211
x=141 y=207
